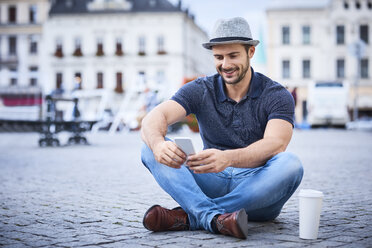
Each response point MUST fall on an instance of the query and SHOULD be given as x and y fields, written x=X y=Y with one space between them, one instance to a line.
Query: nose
x=226 y=63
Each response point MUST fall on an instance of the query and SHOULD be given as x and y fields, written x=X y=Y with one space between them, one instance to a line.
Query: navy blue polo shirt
x=227 y=124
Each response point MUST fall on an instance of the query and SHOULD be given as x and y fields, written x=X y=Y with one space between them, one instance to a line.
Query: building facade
x=122 y=44
x=20 y=41
x=311 y=41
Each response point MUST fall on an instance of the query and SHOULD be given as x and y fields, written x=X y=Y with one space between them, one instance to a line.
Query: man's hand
x=169 y=154
x=208 y=161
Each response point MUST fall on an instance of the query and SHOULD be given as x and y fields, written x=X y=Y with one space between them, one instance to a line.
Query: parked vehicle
x=328 y=104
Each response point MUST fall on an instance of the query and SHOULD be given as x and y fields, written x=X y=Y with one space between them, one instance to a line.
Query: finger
x=174 y=156
x=200 y=162
x=170 y=162
x=176 y=150
x=179 y=152
x=200 y=155
x=202 y=169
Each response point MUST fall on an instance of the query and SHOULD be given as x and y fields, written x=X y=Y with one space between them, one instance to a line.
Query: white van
x=328 y=104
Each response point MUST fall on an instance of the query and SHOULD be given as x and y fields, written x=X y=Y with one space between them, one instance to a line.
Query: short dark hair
x=246 y=46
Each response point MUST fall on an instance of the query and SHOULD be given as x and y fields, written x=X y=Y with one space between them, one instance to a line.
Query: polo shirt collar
x=254 y=91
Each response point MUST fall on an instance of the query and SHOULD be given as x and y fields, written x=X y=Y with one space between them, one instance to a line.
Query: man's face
x=232 y=61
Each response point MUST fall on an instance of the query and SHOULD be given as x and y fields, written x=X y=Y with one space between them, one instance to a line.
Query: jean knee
x=146 y=155
x=292 y=165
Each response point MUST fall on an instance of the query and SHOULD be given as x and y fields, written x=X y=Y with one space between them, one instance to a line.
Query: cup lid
x=310 y=193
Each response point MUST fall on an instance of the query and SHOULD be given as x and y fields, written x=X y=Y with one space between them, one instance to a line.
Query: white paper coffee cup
x=310 y=208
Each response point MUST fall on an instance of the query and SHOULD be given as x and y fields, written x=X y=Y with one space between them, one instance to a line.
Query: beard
x=243 y=71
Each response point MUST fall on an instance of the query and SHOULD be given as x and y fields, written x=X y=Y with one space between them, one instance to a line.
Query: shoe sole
x=242 y=220
x=144 y=217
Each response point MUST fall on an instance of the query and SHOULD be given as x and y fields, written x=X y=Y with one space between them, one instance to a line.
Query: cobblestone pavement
x=95 y=196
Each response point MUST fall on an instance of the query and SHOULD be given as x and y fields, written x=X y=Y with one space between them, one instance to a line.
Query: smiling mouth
x=229 y=72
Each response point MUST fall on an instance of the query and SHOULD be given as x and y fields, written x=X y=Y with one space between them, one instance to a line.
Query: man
x=246 y=123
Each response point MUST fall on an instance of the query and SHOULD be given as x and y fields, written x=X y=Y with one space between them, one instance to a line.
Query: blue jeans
x=261 y=191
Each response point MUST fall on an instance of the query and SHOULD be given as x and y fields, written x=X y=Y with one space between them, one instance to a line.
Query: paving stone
x=95 y=196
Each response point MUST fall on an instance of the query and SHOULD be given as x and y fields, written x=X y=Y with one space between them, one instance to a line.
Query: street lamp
x=358 y=50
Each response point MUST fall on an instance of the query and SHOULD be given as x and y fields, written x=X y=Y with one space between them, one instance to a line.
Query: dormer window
x=99 y=47
x=97 y=5
x=346 y=5
x=77 y=51
x=152 y=3
x=357 y=5
x=119 y=47
x=59 y=50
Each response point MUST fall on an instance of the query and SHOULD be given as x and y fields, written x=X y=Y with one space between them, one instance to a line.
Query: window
x=363 y=33
x=13 y=81
x=99 y=80
x=161 y=49
x=364 y=68
x=119 y=83
x=119 y=47
x=286 y=69
x=306 y=35
x=340 y=68
x=77 y=52
x=160 y=77
x=59 y=81
x=357 y=5
x=12 y=14
x=32 y=13
x=285 y=35
x=33 y=75
x=12 y=45
x=306 y=68
x=100 y=47
x=340 y=35
x=346 y=5
x=78 y=81
x=141 y=46
x=59 y=50
x=33 y=44
x=141 y=78
x=13 y=76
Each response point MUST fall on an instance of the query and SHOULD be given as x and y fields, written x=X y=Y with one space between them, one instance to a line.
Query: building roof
x=297 y=4
x=108 y=6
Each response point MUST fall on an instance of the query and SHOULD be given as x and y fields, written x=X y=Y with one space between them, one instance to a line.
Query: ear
x=251 y=51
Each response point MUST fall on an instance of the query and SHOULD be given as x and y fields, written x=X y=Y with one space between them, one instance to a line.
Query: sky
x=207 y=12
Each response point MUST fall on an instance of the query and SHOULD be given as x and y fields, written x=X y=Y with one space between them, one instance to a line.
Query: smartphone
x=185 y=144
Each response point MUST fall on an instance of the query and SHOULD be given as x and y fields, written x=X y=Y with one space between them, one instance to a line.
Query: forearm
x=154 y=128
x=255 y=154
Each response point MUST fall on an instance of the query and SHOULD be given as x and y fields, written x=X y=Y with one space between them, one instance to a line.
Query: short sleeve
x=190 y=96
x=281 y=106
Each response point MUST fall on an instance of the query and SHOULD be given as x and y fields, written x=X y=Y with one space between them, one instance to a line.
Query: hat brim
x=209 y=45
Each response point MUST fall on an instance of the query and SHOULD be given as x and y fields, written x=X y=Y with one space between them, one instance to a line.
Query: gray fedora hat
x=230 y=31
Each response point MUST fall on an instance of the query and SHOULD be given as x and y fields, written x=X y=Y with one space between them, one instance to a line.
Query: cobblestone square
x=96 y=195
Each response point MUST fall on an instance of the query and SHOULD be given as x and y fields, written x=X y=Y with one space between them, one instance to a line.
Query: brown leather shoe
x=159 y=219
x=233 y=224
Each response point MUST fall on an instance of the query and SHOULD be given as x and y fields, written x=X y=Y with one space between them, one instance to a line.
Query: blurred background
x=72 y=70
x=111 y=61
